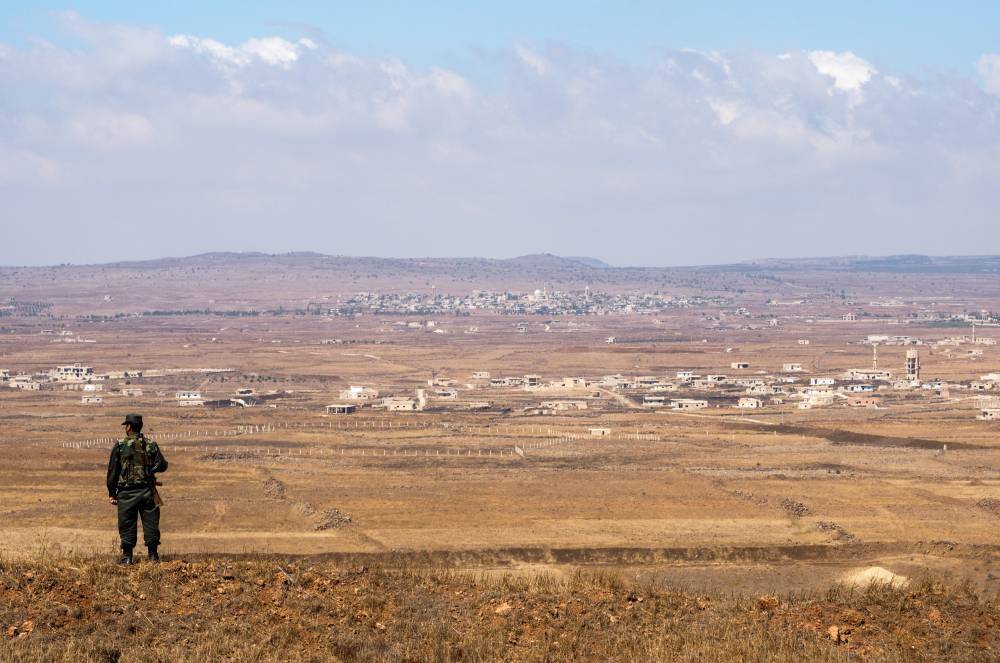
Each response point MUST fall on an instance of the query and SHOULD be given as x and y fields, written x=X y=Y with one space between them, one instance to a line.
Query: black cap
x=133 y=420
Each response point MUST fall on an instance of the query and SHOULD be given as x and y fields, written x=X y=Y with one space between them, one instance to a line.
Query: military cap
x=133 y=420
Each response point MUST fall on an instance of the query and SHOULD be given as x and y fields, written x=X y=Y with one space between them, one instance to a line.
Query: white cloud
x=989 y=70
x=849 y=72
x=274 y=51
x=209 y=142
x=532 y=60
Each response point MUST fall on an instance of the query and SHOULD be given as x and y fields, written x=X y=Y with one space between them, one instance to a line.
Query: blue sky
x=639 y=133
x=912 y=36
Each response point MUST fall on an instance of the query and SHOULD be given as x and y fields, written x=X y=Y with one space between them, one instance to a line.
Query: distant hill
x=540 y=263
x=899 y=263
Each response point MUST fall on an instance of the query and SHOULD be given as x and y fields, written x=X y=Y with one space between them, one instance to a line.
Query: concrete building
x=749 y=404
x=563 y=406
x=688 y=404
x=355 y=393
x=989 y=414
x=341 y=408
x=74 y=373
x=654 y=400
x=24 y=383
x=480 y=375
x=864 y=401
x=92 y=400
x=600 y=432
x=822 y=382
x=189 y=399
x=131 y=391
x=396 y=404
x=740 y=365
x=791 y=368
x=912 y=365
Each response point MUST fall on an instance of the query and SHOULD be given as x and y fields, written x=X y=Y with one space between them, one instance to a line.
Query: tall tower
x=912 y=365
x=874 y=357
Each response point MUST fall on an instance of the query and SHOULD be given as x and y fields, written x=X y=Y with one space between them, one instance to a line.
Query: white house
x=749 y=404
x=354 y=393
x=989 y=414
x=396 y=404
x=189 y=398
x=688 y=404
x=74 y=373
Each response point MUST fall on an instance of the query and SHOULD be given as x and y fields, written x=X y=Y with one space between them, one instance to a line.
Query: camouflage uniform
x=132 y=481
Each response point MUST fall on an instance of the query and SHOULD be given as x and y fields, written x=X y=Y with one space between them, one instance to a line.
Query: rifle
x=153 y=483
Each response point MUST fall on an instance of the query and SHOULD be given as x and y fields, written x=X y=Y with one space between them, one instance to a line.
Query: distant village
x=744 y=387
x=539 y=302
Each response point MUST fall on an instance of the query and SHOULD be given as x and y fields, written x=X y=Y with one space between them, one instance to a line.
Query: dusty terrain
x=274 y=609
x=711 y=502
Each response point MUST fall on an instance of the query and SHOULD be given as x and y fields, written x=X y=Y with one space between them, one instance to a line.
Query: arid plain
x=492 y=477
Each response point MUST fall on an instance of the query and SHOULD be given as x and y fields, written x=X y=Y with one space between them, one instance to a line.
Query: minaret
x=874 y=357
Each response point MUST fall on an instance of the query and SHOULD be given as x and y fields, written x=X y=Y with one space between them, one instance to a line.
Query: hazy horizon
x=639 y=136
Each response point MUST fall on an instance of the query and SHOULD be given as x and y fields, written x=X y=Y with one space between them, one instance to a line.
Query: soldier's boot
x=152 y=555
x=126 y=559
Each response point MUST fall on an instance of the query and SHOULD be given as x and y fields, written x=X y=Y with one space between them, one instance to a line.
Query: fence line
x=382 y=424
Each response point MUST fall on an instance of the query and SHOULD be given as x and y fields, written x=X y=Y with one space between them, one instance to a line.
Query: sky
x=640 y=133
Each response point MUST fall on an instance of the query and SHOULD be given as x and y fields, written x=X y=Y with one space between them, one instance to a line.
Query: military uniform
x=134 y=462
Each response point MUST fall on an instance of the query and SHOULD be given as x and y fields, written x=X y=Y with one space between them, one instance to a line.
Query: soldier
x=132 y=470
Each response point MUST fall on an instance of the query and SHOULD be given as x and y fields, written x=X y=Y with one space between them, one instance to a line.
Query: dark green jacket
x=126 y=468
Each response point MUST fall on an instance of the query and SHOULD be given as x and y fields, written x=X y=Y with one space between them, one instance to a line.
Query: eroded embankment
x=270 y=609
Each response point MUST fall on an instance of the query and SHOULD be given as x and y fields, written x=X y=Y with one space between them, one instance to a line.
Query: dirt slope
x=269 y=609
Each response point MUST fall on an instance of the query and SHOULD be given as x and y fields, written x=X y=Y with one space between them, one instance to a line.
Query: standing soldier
x=132 y=470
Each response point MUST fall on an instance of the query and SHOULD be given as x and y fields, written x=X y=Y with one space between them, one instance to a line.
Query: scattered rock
x=834 y=632
x=991 y=504
x=333 y=519
x=794 y=507
x=839 y=533
x=503 y=609
x=274 y=488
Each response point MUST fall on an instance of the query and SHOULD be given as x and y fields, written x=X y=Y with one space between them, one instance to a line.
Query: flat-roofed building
x=688 y=404
x=396 y=404
x=356 y=393
x=341 y=408
x=189 y=399
x=989 y=414
x=72 y=373
x=562 y=406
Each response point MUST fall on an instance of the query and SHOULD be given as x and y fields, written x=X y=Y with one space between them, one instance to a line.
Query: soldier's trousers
x=135 y=503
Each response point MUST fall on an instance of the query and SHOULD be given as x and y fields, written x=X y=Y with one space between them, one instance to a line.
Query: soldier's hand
x=113 y=500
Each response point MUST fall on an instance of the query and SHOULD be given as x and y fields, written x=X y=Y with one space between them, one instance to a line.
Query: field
x=488 y=487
